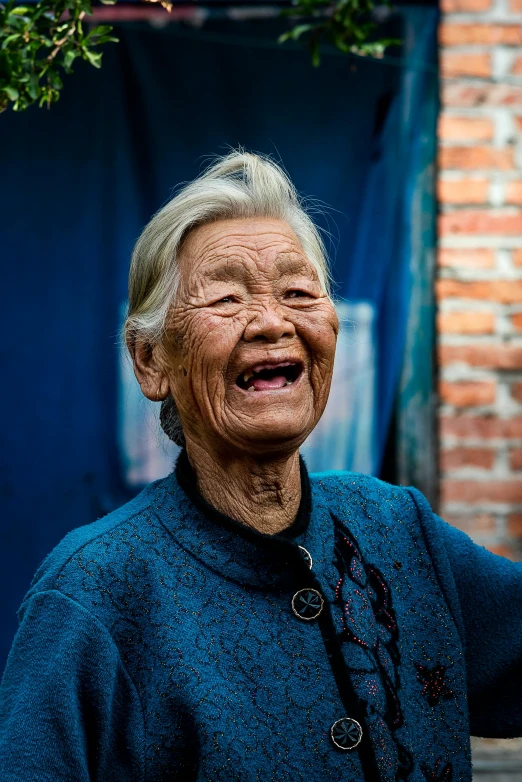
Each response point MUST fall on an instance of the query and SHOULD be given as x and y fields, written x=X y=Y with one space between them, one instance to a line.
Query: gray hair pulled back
x=238 y=185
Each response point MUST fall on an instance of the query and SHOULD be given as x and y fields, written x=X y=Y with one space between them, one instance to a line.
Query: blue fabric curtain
x=79 y=182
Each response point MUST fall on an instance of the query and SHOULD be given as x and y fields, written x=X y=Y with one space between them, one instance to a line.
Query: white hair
x=237 y=185
x=240 y=184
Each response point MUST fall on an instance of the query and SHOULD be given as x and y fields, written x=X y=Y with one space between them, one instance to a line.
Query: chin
x=260 y=424
x=273 y=436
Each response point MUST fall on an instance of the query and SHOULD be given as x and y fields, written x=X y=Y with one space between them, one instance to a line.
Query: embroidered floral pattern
x=434 y=686
x=362 y=592
x=439 y=774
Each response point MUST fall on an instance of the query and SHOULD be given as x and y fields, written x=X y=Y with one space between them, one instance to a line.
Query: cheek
x=319 y=331
x=207 y=343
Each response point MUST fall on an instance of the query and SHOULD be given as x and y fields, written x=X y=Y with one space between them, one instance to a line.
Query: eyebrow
x=232 y=269
x=228 y=270
x=290 y=263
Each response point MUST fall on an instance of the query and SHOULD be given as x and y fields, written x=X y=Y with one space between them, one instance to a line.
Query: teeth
x=251 y=388
x=289 y=382
x=247 y=376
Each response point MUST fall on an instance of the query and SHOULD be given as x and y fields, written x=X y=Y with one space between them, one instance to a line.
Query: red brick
x=451 y=128
x=463 y=94
x=514 y=193
x=454 y=458
x=467 y=394
x=516 y=321
x=467 y=259
x=463 y=191
x=465 y=6
x=458 y=64
x=483 y=221
x=516 y=391
x=515 y=524
x=515 y=459
x=465 y=322
x=502 y=291
x=517 y=257
x=481 y=427
x=455 y=34
x=487 y=356
x=475 y=157
x=481 y=491
x=472 y=524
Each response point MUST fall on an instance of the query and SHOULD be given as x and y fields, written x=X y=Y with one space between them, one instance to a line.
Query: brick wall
x=479 y=283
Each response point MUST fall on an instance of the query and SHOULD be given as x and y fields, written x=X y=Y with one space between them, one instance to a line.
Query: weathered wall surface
x=479 y=284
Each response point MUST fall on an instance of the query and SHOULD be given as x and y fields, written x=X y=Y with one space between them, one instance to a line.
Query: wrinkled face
x=250 y=338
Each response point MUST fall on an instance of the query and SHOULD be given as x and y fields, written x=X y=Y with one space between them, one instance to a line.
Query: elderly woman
x=240 y=619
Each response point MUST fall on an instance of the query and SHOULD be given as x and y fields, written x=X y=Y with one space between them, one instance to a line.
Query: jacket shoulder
x=103 y=535
x=345 y=482
x=367 y=502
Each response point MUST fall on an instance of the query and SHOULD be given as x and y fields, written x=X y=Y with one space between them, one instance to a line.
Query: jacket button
x=307 y=604
x=306 y=556
x=346 y=733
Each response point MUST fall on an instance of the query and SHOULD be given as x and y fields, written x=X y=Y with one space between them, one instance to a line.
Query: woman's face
x=250 y=338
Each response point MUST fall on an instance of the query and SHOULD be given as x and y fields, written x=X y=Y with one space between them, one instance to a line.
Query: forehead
x=240 y=247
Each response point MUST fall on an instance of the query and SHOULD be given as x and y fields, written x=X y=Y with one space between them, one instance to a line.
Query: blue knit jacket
x=168 y=642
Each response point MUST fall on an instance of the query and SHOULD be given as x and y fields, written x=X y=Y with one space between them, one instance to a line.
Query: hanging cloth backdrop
x=80 y=181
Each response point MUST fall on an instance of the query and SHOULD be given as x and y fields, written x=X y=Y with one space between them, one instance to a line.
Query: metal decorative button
x=307 y=604
x=306 y=556
x=346 y=733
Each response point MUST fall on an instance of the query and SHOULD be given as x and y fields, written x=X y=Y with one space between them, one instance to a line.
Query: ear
x=149 y=370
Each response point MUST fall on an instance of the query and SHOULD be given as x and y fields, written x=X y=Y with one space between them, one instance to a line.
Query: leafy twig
x=67 y=35
x=38 y=43
x=347 y=24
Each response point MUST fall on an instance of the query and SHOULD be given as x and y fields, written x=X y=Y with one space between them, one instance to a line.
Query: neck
x=263 y=494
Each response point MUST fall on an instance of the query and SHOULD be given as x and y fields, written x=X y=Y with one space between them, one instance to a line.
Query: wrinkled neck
x=262 y=494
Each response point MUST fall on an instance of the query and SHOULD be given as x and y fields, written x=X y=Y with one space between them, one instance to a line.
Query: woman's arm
x=484 y=592
x=68 y=709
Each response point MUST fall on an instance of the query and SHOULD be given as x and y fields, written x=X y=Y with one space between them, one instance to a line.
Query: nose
x=269 y=322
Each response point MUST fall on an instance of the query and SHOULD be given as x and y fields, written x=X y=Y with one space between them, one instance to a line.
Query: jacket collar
x=232 y=549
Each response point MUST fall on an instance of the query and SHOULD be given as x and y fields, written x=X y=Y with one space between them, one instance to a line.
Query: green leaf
x=102 y=29
x=300 y=29
x=296 y=32
x=54 y=80
x=69 y=58
x=83 y=5
x=10 y=39
x=93 y=57
x=18 y=22
x=104 y=39
x=284 y=37
x=32 y=87
x=108 y=2
x=11 y=92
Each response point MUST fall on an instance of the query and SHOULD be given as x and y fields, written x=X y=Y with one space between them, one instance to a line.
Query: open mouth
x=269 y=377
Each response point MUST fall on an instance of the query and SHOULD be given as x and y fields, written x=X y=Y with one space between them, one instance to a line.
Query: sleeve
x=484 y=593
x=68 y=709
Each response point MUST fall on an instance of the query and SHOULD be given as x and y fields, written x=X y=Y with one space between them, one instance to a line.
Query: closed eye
x=298 y=294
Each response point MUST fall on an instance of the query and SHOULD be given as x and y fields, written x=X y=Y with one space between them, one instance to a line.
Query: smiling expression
x=250 y=339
